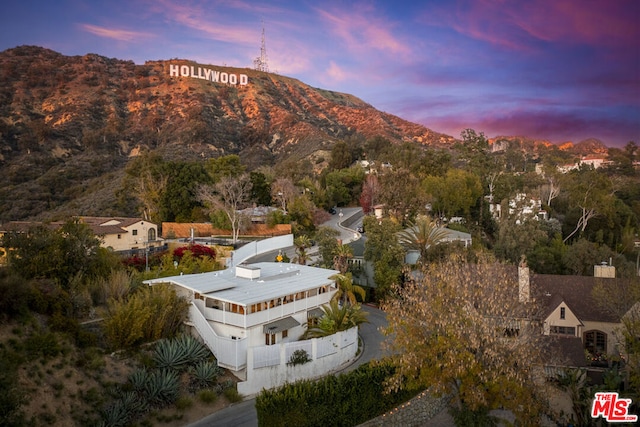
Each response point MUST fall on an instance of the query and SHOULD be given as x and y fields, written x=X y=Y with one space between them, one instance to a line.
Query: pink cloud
x=362 y=30
x=336 y=73
x=116 y=34
x=515 y=25
x=198 y=19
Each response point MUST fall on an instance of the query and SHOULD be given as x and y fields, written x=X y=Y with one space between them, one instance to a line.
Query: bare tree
x=590 y=191
x=148 y=187
x=283 y=191
x=230 y=195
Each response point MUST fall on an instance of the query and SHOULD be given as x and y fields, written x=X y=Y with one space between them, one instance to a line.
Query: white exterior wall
x=570 y=320
x=328 y=354
x=259 y=247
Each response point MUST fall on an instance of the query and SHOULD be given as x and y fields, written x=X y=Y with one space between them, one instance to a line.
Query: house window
x=134 y=232
x=285 y=333
x=563 y=330
x=119 y=236
x=595 y=342
x=151 y=235
x=270 y=339
x=562 y=312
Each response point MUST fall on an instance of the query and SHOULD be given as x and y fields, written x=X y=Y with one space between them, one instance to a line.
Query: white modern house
x=253 y=316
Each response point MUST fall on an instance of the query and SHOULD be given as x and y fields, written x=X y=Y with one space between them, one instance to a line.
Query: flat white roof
x=276 y=280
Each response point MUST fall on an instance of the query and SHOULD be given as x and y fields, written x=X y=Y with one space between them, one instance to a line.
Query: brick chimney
x=524 y=294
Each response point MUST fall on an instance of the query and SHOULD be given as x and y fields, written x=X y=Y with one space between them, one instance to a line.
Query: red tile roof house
x=124 y=235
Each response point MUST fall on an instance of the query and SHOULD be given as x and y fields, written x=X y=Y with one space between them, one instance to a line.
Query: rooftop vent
x=248 y=272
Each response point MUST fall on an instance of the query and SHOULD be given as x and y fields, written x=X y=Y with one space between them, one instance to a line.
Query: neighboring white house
x=252 y=317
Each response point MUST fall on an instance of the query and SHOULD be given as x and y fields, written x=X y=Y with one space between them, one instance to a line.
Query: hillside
x=73 y=123
x=70 y=124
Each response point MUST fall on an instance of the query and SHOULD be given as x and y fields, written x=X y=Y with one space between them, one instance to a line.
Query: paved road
x=244 y=414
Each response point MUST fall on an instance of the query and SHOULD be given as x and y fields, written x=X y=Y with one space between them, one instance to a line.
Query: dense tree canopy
x=457 y=330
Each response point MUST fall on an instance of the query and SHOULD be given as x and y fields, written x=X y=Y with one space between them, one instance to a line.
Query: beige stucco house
x=125 y=234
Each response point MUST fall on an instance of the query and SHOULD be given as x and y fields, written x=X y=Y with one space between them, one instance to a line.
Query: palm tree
x=347 y=290
x=336 y=319
x=422 y=235
x=302 y=243
x=341 y=256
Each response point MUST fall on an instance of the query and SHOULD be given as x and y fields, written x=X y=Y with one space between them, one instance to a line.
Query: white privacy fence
x=268 y=366
x=258 y=247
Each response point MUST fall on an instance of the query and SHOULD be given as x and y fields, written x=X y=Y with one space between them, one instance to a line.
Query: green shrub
x=299 y=357
x=151 y=313
x=43 y=344
x=207 y=396
x=232 y=394
x=346 y=400
x=183 y=403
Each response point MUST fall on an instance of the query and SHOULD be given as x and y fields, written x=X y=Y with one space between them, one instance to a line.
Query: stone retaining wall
x=416 y=412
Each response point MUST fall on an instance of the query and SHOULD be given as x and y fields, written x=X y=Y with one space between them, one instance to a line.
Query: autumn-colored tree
x=369 y=194
x=461 y=330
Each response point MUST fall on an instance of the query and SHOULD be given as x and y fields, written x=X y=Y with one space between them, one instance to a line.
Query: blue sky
x=561 y=70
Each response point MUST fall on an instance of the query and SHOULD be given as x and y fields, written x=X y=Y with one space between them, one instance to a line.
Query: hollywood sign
x=207 y=74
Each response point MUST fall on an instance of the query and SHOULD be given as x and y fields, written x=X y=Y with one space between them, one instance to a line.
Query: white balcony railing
x=264 y=316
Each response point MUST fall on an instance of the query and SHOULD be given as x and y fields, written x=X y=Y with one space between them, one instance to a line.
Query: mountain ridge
x=70 y=121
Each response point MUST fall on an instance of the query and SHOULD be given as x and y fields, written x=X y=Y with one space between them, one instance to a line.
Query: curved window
x=595 y=342
x=151 y=235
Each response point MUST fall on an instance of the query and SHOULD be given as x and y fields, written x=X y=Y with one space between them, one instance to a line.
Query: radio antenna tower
x=260 y=63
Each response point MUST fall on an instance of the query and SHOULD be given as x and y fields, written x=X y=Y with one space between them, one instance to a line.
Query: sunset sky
x=561 y=70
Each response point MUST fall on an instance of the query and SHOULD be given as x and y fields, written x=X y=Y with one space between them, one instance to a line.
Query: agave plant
x=204 y=374
x=169 y=354
x=134 y=404
x=163 y=387
x=194 y=350
x=138 y=379
x=179 y=352
x=115 y=415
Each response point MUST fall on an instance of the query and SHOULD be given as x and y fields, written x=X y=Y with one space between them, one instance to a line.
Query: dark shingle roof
x=577 y=293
